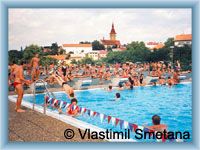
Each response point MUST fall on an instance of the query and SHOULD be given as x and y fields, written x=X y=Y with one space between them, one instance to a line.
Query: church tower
x=113 y=33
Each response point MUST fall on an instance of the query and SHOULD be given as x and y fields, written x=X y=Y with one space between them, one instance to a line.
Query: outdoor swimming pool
x=173 y=105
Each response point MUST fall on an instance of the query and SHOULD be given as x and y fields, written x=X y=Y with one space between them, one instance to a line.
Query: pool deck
x=33 y=126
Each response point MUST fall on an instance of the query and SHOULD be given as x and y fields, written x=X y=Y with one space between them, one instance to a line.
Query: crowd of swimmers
x=64 y=73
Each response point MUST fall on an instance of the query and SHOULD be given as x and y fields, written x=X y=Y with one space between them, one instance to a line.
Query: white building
x=183 y=39
x=103 y=53
x=94 y=55
x=77 y=48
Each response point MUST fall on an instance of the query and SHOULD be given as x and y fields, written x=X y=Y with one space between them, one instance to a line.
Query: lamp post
x=172 y=55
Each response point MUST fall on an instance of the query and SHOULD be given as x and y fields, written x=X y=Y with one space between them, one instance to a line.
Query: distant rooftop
x=183 y=37
x=77 y=45
x=57 y=57
x=110 y=42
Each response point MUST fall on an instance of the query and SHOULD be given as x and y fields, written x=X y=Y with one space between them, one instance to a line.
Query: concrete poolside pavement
x=33 y=126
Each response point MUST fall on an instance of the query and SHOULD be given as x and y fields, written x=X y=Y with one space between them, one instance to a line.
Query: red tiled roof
x=110 y=42
x=158 y=46
x=77 y=45
x=58 y=57
x=183 y=37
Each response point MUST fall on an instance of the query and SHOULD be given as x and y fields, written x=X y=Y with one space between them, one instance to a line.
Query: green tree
x=54 y=49
x=161 y=54
x=14 y=55
x=184 y=55
x=169 y=42
x=109 y=49
x=73 y=61
x=136 y=45
x=46 y=61
x=115 y=57
x=96 y=45
x=87 y=60
x=137 y=52
x=62 y=51
x=29 y=52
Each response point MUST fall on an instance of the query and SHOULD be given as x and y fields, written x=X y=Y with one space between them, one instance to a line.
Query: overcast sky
x=45 y=26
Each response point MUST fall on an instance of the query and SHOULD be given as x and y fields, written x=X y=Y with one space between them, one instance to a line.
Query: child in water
x=117 y=96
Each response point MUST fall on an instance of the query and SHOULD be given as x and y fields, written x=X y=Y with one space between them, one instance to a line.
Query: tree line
x=136 y=52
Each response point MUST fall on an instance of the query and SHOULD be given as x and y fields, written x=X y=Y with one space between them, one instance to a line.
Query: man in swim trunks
x=69 y=90
x=18 y=84
x=35 y=67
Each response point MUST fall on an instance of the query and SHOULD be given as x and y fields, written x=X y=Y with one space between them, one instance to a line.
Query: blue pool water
x=173 y=105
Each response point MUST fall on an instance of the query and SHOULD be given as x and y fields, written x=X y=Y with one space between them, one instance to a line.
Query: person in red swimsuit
x=73 y=108
x=18 y=84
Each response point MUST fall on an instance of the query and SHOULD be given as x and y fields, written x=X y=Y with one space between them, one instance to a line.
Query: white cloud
x=45 y=26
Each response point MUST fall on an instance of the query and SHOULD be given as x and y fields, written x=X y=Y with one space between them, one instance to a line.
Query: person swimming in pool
x=109 y=88
x=117 y=96
x=157 y=126
x=131 y=87
x=120 y=86
x=73 y=108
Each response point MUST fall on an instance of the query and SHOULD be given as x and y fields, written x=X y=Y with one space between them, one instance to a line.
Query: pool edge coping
x=68 y=119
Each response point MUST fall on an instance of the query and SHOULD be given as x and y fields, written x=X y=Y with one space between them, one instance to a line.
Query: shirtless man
x=170 y=81
x=18 y=84
x=161 y=81
x=69 y=90
x=156 y=124
x=35 y=67
x=176 y=77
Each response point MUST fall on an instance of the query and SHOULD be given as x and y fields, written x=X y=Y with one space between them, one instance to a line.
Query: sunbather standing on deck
x=18 y=84
x=35 y=67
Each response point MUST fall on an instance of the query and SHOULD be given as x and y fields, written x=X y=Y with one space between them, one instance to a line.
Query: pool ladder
x=49 y=93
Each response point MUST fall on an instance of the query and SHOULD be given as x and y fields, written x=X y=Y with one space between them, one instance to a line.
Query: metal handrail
x=47 y=92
